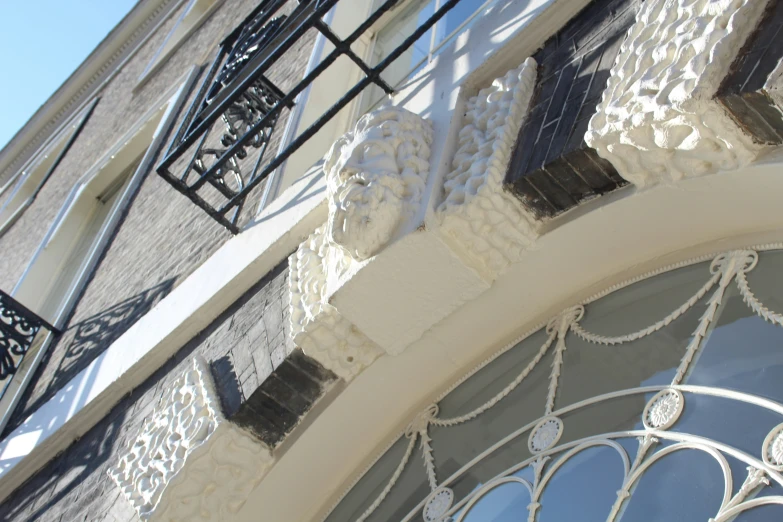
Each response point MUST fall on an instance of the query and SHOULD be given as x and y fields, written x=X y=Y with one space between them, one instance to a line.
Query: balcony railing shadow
x=81 y=343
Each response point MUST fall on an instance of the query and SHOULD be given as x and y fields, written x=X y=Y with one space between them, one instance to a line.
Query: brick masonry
x=163 y=236
x=265 y=385
x=743 y=91
x=552 y=169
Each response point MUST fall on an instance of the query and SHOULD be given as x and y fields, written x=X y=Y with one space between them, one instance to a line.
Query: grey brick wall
x=552 y=168
x=163 y=236
x=265 y=385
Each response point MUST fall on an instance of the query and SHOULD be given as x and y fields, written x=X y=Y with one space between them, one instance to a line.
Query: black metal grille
x=18 y=328
x=211 y=168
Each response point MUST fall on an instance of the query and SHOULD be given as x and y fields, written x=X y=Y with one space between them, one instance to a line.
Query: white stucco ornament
x=375 y=178
x=663 y=410
x=658 y=120
x=478 y=218
x=189 y=463
x=772 y=449
x=316 y=326
x=545 y=434
x=437 y=505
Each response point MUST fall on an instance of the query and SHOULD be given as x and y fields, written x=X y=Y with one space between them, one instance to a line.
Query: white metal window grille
x=657 y=400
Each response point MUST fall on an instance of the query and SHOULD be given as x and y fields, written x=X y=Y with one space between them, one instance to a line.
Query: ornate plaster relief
x=658 y=120
x=189 y=462
x=484 y=222
x=376 y=177
x=316 y=326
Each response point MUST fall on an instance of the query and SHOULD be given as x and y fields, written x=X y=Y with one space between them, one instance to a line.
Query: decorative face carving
x=375 y=179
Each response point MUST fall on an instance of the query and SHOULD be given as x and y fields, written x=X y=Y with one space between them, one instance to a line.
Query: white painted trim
x=613 y=242
x=31 y=179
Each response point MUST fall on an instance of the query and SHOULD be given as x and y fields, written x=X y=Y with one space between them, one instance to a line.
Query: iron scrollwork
x=18 y=328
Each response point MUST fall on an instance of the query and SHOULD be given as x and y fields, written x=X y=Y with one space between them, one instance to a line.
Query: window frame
x=28 y=182
x=367 y=104
x=105 y=171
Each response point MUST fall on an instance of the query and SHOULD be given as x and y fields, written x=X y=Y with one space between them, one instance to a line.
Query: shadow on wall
x=95 y=334
x=79 y=475
x=74 y=485
x=82 y=342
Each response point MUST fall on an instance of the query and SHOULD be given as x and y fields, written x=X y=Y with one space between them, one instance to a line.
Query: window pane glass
x=744 y=352
x=504 y=503
x=592 y=369
x=455 y=446
x=669 y=488
x=584 y=488
x=395 y=33
x=455 y=17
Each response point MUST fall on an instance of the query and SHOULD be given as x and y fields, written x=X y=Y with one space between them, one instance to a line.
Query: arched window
x=658 y=400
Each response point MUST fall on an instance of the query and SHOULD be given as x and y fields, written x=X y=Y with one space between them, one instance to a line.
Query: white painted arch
x=590 y=249
x=611 y=241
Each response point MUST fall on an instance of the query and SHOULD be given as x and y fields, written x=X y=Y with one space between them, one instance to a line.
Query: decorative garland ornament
x=660 y=413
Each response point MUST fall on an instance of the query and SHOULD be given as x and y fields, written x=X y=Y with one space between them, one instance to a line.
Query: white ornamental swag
x=659 y=415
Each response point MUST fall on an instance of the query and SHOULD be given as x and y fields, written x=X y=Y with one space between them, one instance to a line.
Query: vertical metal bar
x=297 y=26
x=184 y=178
x=348 y=97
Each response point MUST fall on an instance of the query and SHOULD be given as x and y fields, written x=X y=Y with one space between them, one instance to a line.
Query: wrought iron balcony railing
x=219 y=155
x=18 y=328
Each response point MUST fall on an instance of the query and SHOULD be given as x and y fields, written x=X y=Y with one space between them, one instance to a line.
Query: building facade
x=450 y=260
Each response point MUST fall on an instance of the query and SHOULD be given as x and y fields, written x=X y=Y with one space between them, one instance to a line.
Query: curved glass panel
x=589 y=481
x=504 y=503
x=592 y=369
x=744 y=352
x=670 y=486
x=660 y=401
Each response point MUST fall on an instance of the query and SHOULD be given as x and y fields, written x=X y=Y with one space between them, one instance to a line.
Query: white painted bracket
x=485 y=225
x=189 y=462
x=316 y=326
x=349 y=305
x=658 y=120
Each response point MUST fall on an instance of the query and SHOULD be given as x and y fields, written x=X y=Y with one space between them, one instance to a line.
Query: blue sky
x=41 y=43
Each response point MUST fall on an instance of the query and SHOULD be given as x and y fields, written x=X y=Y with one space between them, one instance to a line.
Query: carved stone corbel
x=659 y=120
x=375 y=182
x=316 y=326
x=189 y=462
x=478 y=218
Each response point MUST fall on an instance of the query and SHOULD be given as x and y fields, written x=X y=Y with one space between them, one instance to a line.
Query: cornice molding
x=141 y=21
